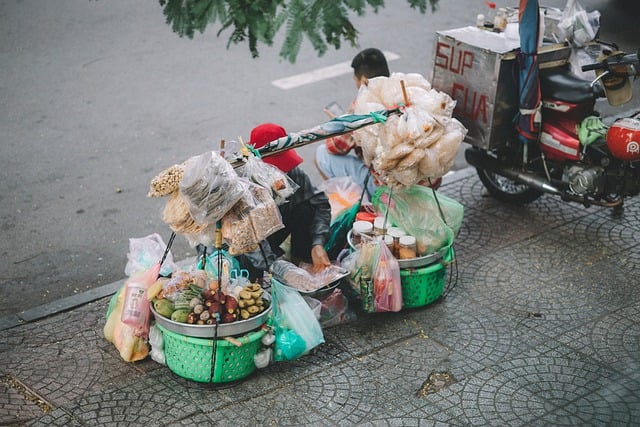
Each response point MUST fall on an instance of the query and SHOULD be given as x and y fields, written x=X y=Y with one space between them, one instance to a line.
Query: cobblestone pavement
x=540 y=329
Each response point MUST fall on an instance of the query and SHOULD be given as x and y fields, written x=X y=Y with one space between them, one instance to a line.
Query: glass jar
x=407 y=248
x=396 y=233
x=359 y=231
x=387 y=240
x=379 y=226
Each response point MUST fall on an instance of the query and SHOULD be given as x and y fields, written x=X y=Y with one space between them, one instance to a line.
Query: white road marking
x=324 y=73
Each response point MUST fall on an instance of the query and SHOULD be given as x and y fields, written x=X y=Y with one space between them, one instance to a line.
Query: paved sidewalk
x=541 y=329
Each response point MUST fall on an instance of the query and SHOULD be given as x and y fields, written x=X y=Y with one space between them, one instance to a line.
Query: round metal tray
x=422 y=261
x=239 y=327
x=325 y=290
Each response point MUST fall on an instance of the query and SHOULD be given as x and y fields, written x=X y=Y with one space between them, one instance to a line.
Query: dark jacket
x=306 y=216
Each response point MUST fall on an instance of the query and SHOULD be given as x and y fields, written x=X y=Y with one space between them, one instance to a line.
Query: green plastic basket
x=211 y=360
x=422 y=286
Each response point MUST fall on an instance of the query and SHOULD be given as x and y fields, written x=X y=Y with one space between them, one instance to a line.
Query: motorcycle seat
x=563 y=85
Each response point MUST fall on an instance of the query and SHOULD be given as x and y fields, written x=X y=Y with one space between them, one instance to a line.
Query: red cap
x=267 y=132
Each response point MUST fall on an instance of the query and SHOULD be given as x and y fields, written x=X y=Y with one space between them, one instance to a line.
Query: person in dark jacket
x=307 y=213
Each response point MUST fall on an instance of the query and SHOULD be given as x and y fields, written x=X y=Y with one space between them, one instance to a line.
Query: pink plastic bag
x=387 y=289
x=136 y=309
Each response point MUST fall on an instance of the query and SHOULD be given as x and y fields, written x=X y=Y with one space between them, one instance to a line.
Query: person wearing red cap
x=307 y=214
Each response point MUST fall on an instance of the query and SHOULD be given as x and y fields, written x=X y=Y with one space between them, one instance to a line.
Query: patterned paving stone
x=14 y=407
x=143 y=400
x=613 y=339
x=551 y=305
x=557 y=374
x=478 y=337
x=58 y=417
x=488 y=399
x=63 y=370
x=615 y=404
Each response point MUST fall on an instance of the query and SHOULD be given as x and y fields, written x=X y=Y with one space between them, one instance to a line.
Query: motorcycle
x=576 y=156
x=601 y=169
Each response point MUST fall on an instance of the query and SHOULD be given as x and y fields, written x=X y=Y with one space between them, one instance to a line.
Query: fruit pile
x=192 y=300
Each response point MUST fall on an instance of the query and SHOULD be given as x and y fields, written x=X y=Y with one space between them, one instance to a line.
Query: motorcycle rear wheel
x=507 y=190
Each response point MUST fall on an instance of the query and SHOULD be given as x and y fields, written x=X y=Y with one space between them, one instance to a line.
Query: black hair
x=370 y=63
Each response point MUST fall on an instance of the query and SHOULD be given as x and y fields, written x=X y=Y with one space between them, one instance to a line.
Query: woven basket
x=422 y=286
x=211 y=360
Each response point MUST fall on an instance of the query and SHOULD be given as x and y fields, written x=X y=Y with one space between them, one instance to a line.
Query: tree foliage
x=325 y=23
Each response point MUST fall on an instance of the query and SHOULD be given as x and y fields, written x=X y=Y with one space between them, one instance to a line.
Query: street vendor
x=339 y=156
x=306 y=215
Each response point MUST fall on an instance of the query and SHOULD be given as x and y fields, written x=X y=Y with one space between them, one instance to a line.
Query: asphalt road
x=97 y=97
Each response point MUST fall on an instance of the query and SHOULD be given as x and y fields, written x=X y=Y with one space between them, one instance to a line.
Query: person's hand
x=319 y=258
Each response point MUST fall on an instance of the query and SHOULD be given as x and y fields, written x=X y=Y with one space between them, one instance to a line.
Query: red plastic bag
x=387 y=289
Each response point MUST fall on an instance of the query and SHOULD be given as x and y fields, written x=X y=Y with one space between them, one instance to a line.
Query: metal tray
x=325 y=290
x=239 y=327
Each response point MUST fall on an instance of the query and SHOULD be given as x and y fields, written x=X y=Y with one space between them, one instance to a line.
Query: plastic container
x=500 y=20
x=365 y=216
x=379 y=226
x=424 y=285
x=211 y=360
x=407 y=248
x=396 y=233
x=360 y=229
x=388 y=240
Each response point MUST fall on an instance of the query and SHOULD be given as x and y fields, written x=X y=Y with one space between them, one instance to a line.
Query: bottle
x=491 y=13
x=500 y=20
x=407 y=247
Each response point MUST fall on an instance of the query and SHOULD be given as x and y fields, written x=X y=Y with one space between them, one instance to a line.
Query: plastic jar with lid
x=396 y=233
x=500 y=20
x=407 y=248
x=387 y=240
x=379 y=226
x=360 y=229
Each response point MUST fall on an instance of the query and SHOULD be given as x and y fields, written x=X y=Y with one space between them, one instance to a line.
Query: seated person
x=339 y=156
x=306 y=215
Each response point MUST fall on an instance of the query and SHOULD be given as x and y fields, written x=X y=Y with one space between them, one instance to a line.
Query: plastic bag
x=145 y=252
x=131 y=346
x=210 y=187
x=578 y=26
x=431 y=217
x=387 y=290
x=362 y=277
x=342 y=193
x=157 y=345
x=136 y=306
x=251 y=220
x=269 y=177
x=294 y=276
x=335 y=309
x=297 y=330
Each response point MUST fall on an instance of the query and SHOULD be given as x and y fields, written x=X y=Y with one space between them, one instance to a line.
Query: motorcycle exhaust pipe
x=482 y=160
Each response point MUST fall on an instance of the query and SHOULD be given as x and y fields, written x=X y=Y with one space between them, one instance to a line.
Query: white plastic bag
x=578 y=26
x=147 y=251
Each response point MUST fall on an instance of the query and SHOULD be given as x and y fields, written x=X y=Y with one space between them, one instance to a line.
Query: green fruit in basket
x=163 y=307
x=180 y=315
